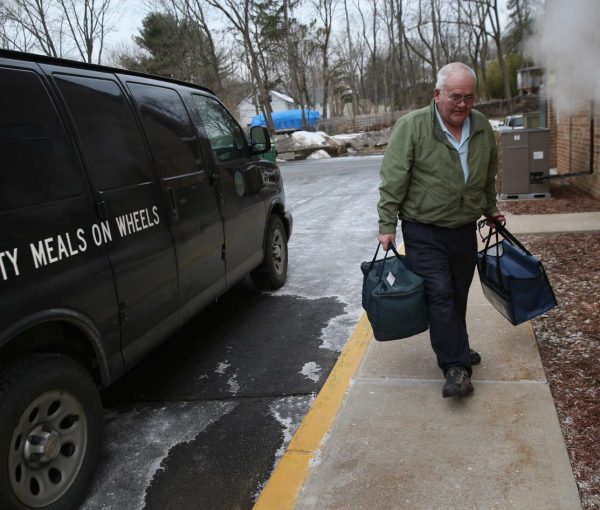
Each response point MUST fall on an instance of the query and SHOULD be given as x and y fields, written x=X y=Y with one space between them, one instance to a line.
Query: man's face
x=455 y=100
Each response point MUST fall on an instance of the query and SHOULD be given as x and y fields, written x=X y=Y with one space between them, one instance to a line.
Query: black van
x=127 y=203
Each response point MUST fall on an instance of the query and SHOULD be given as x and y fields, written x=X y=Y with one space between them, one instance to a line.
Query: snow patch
x=346 y=137
x=233 y=384
x=311 y=370
x=289 y=412
x=336 y=333
x=320 y=154
x=137 y=442
x=316 y=460
x=222 y=368
x=307 y=139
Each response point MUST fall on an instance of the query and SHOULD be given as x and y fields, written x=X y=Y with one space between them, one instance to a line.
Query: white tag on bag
x=390 y=278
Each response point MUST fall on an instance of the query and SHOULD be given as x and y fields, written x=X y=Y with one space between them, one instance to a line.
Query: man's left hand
x=495 y=218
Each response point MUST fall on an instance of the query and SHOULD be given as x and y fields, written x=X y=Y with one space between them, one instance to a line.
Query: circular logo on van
x=240 y=185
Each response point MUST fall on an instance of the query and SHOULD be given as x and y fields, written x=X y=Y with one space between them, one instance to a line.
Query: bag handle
x=393 y=248
x=487 y=240
x=511 y=238
x=499 y=228
x=375 y=258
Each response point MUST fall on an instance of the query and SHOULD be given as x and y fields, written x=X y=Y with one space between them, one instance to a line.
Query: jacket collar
x=476 y=123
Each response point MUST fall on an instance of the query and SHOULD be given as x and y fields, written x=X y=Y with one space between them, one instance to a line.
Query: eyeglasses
x=457 y=98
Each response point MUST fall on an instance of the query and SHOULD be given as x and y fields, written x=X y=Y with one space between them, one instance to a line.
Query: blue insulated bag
x=513 y=280
x=393 y=297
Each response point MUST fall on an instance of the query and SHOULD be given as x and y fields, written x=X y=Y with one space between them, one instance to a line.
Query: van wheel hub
x=47 y=448
x=278 y=251
x=41 y=446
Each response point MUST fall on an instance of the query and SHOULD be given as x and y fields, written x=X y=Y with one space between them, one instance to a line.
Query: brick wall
x=572 y=138
x=551 y=123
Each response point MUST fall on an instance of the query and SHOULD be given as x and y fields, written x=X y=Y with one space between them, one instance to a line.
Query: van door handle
x=173 y=204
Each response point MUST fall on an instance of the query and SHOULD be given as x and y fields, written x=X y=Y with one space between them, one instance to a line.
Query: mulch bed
x=568 y=337
x=565 y=198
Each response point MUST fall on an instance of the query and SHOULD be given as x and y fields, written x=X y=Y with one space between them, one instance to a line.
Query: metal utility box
x=525 y=157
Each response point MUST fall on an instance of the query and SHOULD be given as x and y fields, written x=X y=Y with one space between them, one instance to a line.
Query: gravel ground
x=568 y=337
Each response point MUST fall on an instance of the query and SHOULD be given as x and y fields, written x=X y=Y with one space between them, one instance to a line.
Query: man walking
x=438 y=176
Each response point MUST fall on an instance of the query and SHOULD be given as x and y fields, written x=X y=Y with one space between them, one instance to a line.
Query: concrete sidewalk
x=395 y=443
x=546 y=223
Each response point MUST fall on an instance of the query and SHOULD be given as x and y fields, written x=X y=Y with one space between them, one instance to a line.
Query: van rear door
x=50 y=268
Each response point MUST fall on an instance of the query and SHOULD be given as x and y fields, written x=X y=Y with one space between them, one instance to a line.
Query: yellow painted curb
x=289 y=475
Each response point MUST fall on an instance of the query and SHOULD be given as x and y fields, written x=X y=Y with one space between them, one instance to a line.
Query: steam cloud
x=567 y=44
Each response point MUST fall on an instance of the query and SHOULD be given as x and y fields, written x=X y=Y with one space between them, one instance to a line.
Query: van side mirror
x=260 y=141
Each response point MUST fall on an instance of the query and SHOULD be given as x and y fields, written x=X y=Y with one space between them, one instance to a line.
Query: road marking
x=289 y=475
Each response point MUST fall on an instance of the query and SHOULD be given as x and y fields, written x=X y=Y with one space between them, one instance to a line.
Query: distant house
x=248 y=108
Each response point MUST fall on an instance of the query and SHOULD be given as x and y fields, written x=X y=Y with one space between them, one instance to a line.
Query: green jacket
x=422 y=178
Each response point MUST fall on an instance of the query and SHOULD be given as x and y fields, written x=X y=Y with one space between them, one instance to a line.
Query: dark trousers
x=445 y=258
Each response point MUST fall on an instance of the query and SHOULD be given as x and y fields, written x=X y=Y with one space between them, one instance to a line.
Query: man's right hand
x=385 y=239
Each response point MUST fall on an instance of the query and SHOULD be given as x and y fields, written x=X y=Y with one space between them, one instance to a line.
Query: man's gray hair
x=449 y=69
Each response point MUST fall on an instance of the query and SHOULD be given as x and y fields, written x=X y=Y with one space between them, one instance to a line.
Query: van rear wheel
x=272 y=273
x=50 y=432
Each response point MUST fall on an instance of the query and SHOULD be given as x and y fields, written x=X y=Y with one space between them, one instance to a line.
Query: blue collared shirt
x=463 y=146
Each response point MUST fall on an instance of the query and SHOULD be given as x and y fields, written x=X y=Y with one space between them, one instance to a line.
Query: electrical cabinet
x=525 y=158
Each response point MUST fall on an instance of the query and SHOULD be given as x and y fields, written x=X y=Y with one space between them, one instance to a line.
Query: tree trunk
x=351 y=67
x=495 y=22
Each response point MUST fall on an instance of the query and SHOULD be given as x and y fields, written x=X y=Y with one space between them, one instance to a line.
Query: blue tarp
x=291 y=119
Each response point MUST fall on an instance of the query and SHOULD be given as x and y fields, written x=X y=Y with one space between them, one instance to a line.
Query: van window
x=226 y=138
x=38 y=164
x=110 y=137
x=169 y=128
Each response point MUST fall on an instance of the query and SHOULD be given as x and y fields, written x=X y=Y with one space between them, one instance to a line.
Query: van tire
x=50 y=430
x=272 y=273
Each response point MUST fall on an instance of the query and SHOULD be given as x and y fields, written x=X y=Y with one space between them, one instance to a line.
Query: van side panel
x=134 y=226
x=187 y=187
x=127 y=202
x=241 y=186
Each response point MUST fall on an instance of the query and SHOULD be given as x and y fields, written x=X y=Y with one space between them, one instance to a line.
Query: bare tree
x=12 y=34
x=397 y=37
x=352 y=63
x=49 y=25
x=240 y=15
x=88 y=23
x=36 y=19
x=383 y=51
x=195 y=11
x=426 y=28
x=297 y=77
x=326 y=10
x=496 y=34
x=477 y=39
x=371 y=84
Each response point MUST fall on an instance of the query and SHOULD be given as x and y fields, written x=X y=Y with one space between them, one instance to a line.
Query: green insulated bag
x=393 y=297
